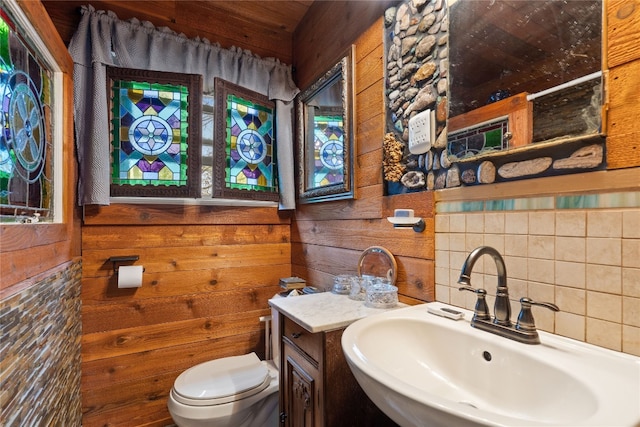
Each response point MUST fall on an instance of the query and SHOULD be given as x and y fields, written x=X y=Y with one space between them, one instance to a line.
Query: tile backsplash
x=40 y=351
x=579 y=252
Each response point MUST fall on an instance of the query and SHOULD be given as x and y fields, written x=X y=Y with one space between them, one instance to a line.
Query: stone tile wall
x=580 y=252
x=40 y=348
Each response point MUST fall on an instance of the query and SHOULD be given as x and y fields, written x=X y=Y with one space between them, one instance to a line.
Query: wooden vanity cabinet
x=317 y=387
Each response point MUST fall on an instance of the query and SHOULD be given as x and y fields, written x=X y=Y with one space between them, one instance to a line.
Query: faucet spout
x=502 y=307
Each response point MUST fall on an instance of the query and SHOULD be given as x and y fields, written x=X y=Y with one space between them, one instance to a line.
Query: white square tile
x=604 y=278
x=570 y=325
x=631 y=224
x=475 y=223
x=571 y=249
x=605 y=334
x=604 y=250
x=442 y=276
x=544 y=319
x=604 y=306
x=571 y=300
x=515 y=245
x=457 y=223
x=631 y=282
x=442 y=223
x=572 y=274
x=518 y=289
x=571 y=223
x=473 y=240
x=604 y=223
x=496 y=241
x=516 y=223
x=516 y=267
x=631 y=253
x=541 y=247
x=631 y=340
x=541 y=292
x=442 y=241
x=542 y=223
x=541 y=270
x=494 y=222
x=457 y=242
x=631 y=311
x=442 y=294
x=456 y=260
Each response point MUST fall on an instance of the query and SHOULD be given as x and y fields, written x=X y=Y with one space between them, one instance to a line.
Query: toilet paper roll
x=130 y=276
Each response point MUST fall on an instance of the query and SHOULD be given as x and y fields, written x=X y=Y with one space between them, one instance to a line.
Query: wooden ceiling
x=264 y=27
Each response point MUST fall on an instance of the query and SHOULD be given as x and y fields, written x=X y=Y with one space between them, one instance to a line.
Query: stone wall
x=417 y=78
x=416 y=60
x=40 y=348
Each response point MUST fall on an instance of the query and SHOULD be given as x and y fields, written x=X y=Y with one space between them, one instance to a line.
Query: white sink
x=426 y=370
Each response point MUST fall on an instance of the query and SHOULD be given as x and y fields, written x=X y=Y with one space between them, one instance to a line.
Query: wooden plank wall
x=328 y=238
x=623 y=56
x=209 y=272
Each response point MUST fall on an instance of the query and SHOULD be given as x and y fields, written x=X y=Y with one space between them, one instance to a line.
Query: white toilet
x=238 y=391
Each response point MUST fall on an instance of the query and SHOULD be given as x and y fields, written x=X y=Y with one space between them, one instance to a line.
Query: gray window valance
x=103 y=40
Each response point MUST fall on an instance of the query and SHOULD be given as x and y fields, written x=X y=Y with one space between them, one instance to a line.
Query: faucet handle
x=481 y=311
x=525 y=318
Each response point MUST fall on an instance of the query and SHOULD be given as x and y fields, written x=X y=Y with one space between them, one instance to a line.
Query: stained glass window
x=26 y=128
x=328 y=150
x=245 y=135
x=155 y=141
x=479 y=138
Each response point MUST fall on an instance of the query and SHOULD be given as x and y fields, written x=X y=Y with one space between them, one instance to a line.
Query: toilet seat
x=221 y=381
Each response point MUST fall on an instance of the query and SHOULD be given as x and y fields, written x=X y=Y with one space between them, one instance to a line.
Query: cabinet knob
x=296 y=334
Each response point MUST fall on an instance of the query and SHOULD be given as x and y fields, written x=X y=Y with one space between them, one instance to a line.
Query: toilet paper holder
x=115 y=260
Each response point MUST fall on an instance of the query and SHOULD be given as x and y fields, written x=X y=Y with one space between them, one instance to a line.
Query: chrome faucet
x=524 y=330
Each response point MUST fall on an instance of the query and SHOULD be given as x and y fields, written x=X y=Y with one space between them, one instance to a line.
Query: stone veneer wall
x=579 y=252
x=40 y=348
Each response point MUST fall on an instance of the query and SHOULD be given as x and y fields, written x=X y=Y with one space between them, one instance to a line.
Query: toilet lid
x=222 y=380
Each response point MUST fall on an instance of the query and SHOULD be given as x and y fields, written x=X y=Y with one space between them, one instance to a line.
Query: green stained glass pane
x=328 y=150
x=26 y=123
x=479 y=138
x=250 y=146
x=149 y=136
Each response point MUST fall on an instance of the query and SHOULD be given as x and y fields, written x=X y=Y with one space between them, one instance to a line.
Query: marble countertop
x=324 y=311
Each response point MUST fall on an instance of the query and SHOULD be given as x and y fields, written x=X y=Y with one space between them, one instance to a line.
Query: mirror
x=325 y=135
x=378 y=262
x=523 y=72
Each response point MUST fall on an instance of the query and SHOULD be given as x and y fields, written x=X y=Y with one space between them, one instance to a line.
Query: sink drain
x=468 y=404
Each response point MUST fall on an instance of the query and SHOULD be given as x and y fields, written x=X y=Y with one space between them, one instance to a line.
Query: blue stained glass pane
x=250 y=149
x=26 y=117
x=149 y=134
x=328 y=150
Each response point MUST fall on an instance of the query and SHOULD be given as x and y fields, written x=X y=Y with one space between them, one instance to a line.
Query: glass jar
x=342 y=284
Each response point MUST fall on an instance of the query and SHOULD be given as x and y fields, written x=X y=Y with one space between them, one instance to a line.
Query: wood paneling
x=623 y=25
x=328 y=238
x=209 y=272
x=263 y=27
x=623 y=135
x=328 y=29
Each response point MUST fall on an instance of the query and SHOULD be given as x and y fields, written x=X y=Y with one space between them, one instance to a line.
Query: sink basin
x=426 y=370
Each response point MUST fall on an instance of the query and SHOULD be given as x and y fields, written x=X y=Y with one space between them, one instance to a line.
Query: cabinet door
x=301 y=390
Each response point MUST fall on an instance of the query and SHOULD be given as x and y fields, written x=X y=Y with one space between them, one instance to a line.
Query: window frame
x=193 y=83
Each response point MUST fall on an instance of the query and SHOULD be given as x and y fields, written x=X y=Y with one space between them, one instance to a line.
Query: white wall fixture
x=404 y=218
